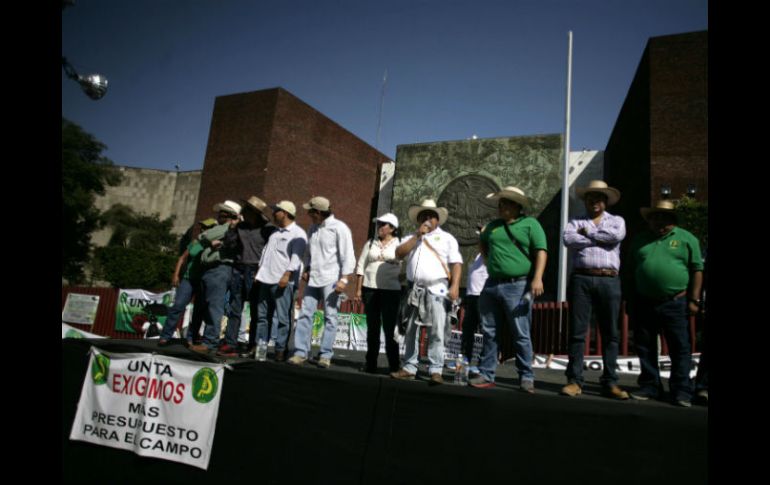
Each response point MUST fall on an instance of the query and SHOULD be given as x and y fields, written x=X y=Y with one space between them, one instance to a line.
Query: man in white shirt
x=431 y=251
x=279 y=270
x=329 y=262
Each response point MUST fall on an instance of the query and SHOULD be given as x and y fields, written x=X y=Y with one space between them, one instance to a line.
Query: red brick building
x=660 y=138
x=273 y=145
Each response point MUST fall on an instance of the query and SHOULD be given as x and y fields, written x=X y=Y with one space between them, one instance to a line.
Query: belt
x=596 y=272
x=667 y=299
x=507 y=280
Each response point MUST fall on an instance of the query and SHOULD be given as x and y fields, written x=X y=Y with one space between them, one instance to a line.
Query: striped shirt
x=600 y=247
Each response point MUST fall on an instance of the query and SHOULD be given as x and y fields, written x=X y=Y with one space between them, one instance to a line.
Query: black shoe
x=368 y=369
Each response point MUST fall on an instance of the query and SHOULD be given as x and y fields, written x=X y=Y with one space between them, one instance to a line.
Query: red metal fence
x=549 y=325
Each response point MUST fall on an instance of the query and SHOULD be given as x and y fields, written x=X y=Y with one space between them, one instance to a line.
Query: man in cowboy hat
x=188 y=285
x=278 y=277
x=667 y=271
x=431 y=251
x=515 y=250
x=329 y=262
x=594 y=240
x=217 y=259
x=249 y=238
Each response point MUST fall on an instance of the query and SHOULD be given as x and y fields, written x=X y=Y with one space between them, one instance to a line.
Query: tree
x=693 y=216
x=141 y=252
x=85 y=174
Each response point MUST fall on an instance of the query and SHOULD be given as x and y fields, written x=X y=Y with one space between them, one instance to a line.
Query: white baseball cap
x=390 y=218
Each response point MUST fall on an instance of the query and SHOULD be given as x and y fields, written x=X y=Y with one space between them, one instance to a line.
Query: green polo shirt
x=662 y=265
x=504 y=259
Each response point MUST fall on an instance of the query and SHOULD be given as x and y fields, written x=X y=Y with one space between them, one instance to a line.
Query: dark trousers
x=381 y=310
x=586 y=295
x=243 y=288
x=670 y=319
x=470 y=325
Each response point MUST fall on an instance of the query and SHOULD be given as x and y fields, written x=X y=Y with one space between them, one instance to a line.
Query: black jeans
x=381 y=309
x=586 y=294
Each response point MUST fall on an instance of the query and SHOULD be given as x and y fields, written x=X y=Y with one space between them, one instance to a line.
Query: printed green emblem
x=673 y=244
x=100 y=369
x=205 y=385
x=73 y=334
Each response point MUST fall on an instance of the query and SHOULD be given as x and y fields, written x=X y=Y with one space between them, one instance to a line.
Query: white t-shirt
x=424 y=268
x=477 y=276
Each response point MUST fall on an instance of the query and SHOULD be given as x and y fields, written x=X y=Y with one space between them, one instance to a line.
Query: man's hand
x=454 y=293
x=284 y=281
x=358 y=297
x=305 y=276
x=537 y=287
x=341 y=285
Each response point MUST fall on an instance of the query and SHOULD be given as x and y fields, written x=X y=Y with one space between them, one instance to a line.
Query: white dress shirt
x=283 y=252
x=330 y=252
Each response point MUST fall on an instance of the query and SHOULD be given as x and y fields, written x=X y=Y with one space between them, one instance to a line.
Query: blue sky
x=455 y=68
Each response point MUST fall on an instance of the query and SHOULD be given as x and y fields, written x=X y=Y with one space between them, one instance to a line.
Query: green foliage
x=85 y=174
x=693 y=216
x=134 y=268
x=141 y=252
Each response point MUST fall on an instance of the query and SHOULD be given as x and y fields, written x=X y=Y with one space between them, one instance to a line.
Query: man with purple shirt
x=594 y=241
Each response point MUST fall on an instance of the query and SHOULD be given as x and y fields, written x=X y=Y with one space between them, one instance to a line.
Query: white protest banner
x=625 y=365
x=153 y=405
x=68 y=331
x=80 y=308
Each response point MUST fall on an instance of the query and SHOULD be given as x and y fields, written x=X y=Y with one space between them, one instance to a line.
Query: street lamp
x=94 y=85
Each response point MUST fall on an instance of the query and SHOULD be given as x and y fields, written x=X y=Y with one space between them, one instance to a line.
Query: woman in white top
x=380 y=290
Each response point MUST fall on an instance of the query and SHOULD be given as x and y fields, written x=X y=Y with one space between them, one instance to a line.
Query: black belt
x=667 y=299
x=507 y=280
x=596 y=272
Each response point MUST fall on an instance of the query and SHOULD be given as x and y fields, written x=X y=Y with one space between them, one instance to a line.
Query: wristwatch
x=696 y=301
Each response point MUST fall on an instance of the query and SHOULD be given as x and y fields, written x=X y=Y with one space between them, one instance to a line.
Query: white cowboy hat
x=511 y=193
x=228 y=206
x=665 y=206
x=428 y=204
x=390 y=218
x=600 y=186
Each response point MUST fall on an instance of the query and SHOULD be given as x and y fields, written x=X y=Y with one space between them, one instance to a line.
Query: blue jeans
x=670 y=319
x=215 y=281
x=275 y=305
x=241 y=290
x=500 y=303
x=184 y=294
x=586 y=294
x=437 y=336
x=304 y=330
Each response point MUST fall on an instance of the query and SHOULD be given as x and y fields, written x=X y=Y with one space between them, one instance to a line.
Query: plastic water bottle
x=461 y=371
x=261 y=350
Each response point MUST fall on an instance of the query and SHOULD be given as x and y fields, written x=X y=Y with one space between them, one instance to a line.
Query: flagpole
x=562 y=289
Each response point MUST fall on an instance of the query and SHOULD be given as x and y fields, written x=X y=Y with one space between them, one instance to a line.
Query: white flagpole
x=562 y=290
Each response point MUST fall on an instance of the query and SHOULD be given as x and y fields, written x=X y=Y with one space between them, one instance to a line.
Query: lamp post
x=94 y=85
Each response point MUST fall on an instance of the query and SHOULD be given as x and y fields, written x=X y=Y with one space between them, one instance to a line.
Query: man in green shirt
x=667 y=271
x=515 y=252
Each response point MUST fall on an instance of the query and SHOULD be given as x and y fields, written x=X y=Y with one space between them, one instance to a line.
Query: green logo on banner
x=205 y=384
x=100 y=368
x=73 y=334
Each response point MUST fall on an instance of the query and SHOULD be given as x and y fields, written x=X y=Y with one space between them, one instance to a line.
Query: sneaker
x=324 y=363
x=436 y=378
x=473 y=370
x=296 y=360
x=683 y=403
x=527 y=385
x=572 y=389
x=480 y=383
x=450 y=364
x=227 y=351
x=644 y=394
x=615 y=392
x=402 y=375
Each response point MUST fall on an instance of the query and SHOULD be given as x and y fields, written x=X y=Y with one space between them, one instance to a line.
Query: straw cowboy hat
x=664 y=206
x=228 y=206
x=258 y=205
x=600 y=186
x=428 y=205
x=511 y=193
